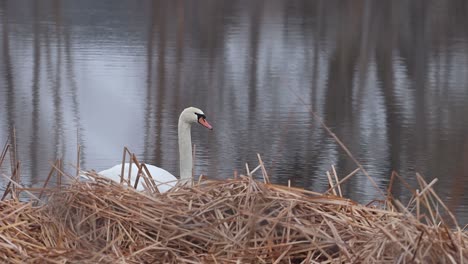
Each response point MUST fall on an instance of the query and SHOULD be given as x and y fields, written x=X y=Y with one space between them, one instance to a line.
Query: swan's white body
x=163 y=179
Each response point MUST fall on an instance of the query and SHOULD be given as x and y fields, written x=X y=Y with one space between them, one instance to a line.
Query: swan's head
x=193 y=115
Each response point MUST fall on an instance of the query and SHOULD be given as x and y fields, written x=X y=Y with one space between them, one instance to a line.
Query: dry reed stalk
x=340 y=143
x=149 y=183
x=16 y=185
x=237 y=220
x=9 y=149
x=5 y=150
x=232 y=221
x=27 y=235
x=49 y=176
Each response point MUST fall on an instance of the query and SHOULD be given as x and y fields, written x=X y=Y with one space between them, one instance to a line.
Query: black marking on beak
x=200 y=116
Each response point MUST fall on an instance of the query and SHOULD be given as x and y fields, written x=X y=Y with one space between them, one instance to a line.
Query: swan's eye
x=200 y=116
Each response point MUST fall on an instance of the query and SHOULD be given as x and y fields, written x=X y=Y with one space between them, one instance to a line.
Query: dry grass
x=29 y=235
x=233 y=221
x=238 y=220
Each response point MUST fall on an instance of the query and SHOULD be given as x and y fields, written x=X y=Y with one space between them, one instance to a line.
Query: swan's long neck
x=185 y=152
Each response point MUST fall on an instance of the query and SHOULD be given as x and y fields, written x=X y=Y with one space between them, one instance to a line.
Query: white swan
x=163 y=179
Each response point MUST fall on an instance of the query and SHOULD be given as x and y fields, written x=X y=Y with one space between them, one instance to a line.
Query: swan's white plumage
x=164 y=180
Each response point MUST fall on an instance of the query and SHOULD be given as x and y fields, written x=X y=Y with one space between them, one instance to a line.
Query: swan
x=164 y=179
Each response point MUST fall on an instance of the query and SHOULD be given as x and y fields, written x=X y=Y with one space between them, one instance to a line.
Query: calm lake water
x=390 y=79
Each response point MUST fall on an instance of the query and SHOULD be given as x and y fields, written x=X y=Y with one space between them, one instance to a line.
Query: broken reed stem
x=344 y=179
x=149 y=180
x=19 y=186
x=13 y=154
x=200 y=179
x=255 y=170
x=266 y=179
x=10 y=148
x=139 y=172
x=337 y=181
x=11 y=188
x=4 y=153
x=418 y=206
x=405 y=183
x=78 y=160
x=123 y=163
x=130 y=167
x=338 y=141
x=453 y=218
x=51 y=172
x=331 y=184
x=428 y=203
x=390 y=185
x=142 y=171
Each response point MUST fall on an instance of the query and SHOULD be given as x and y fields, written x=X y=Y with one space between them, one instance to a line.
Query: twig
x=340 y=143
x=19 y=186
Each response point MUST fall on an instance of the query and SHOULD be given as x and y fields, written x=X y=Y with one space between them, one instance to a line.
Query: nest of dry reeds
x=233 y=221
x=238 y=220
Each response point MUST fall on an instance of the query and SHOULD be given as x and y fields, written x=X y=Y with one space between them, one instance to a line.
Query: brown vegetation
x=238 y=220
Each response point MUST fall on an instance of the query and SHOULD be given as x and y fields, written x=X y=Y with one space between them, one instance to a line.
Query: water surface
x=389 y=79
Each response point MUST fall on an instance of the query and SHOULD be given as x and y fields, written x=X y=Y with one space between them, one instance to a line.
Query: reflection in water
x=160 y=13
x=389 y=79
x=75 y=105
x=57 y=94
x=7 y=82
x=7 y=68
x=149 y=87
x=34 y=148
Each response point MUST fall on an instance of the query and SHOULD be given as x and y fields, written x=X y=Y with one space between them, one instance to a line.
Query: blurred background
x=390 y=78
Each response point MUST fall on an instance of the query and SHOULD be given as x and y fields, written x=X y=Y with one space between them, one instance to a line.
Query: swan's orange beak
x=205 y=123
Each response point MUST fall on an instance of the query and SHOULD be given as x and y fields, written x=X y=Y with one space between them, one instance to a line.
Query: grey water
x=389 y=78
